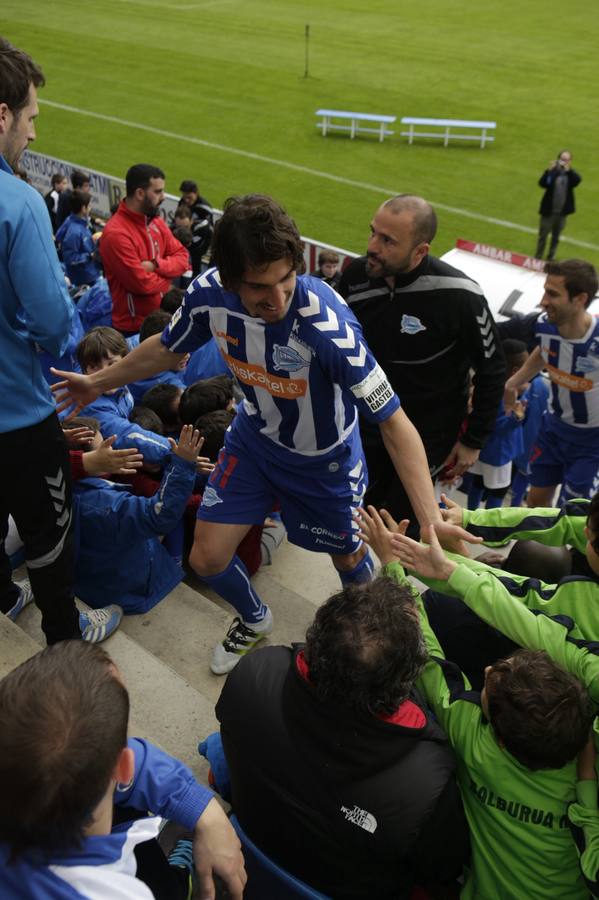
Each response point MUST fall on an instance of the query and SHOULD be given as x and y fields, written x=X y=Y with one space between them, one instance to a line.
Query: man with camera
x=559 y=181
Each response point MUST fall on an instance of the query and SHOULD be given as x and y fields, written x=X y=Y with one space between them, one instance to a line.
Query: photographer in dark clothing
x=559 y=181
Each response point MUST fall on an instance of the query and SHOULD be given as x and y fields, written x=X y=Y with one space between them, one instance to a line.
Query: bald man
x=428 y=325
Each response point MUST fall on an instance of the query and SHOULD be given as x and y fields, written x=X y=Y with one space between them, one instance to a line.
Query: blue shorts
x=318 y=497
x=554 y=459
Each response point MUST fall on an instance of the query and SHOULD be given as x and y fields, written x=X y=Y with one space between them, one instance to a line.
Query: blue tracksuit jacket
x=104 y=866
x=119 y=558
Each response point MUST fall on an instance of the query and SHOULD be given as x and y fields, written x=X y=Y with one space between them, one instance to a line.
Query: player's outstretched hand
x=72 y=393
x=217 y=851
x=427 y=560
x=453 y=512
x=75 y=437
x=106 y=461
x=377 y=530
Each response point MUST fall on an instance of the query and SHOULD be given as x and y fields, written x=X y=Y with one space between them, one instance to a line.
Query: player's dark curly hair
x=365 y=647
x=253 y=232
x=540 y=713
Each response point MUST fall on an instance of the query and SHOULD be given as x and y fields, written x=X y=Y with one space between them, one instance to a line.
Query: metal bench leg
x=483 y=138
x=446 y=141
x=325 y=125
x=353 y=129
x=382 y=136
x=411 y=135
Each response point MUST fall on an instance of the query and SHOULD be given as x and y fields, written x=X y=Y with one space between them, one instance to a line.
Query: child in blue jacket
x=75 y=242
x=492 y=472
x=101 y=347
x=118 y=549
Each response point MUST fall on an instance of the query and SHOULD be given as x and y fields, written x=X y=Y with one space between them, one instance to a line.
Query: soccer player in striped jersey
x=301 y=361
x=566 y=451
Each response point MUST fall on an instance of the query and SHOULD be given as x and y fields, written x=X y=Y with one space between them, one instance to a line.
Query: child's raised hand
x=188 y=448
x=428 y=559
x=453 y=512
x=76 y=437
x=106 y=461
x=189 y=444
x=377 y=530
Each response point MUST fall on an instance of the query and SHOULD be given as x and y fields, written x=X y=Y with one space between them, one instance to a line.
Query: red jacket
x=128 y=239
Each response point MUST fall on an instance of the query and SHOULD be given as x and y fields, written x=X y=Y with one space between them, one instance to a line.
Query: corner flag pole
x=307 y=36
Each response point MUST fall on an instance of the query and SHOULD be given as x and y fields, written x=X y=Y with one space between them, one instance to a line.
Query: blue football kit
x=295 y=437
x=566 y=450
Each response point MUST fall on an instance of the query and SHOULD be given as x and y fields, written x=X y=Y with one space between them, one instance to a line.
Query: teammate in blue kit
x=566 y=450
x=306 y=372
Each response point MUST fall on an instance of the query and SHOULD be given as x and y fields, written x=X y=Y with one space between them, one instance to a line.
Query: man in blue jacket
x=35 y=311
x=75 y=793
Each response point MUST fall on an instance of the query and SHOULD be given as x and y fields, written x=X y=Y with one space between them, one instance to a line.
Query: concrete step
x=165 y=708
x=15 y=646
x=164 y=655
x=183 y=629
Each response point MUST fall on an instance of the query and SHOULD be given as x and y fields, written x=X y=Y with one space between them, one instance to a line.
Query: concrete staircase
x=164 y=654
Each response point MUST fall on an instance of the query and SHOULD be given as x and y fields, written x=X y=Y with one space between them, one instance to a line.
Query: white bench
x=354 y=118
x=445 y=130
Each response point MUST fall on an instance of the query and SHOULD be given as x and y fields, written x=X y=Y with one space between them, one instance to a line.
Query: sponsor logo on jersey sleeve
x=375 y=389
x=411 y=325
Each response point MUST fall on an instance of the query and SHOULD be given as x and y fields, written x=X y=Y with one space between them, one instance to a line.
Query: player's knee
x=350 y=560
x=206 y=560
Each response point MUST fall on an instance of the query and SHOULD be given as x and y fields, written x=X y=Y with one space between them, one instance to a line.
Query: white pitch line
x=295 y=167
x=180 y=7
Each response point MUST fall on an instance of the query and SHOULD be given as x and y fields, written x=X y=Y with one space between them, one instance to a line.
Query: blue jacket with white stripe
x=104 y=866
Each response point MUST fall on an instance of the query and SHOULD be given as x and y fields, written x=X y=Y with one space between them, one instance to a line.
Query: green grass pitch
x=231 y=73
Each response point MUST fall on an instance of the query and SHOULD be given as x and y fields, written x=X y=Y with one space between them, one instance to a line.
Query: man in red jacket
x=139 y=252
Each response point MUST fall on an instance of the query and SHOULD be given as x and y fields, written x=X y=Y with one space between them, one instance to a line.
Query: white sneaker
x=240 y=638
x=98 y=624
x=24 y=599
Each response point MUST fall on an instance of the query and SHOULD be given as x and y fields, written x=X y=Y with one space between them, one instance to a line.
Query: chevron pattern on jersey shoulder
x=329 y=322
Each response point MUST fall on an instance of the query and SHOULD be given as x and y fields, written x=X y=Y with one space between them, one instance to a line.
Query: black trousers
x=465 y=639
x=384 y=487
x=36 y=490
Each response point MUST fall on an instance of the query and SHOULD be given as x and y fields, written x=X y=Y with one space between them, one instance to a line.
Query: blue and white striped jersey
x=304 y=378
x=573 y=367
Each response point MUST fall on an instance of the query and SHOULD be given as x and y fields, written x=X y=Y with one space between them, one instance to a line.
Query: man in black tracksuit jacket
x=357 y=800
x=428 y=325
